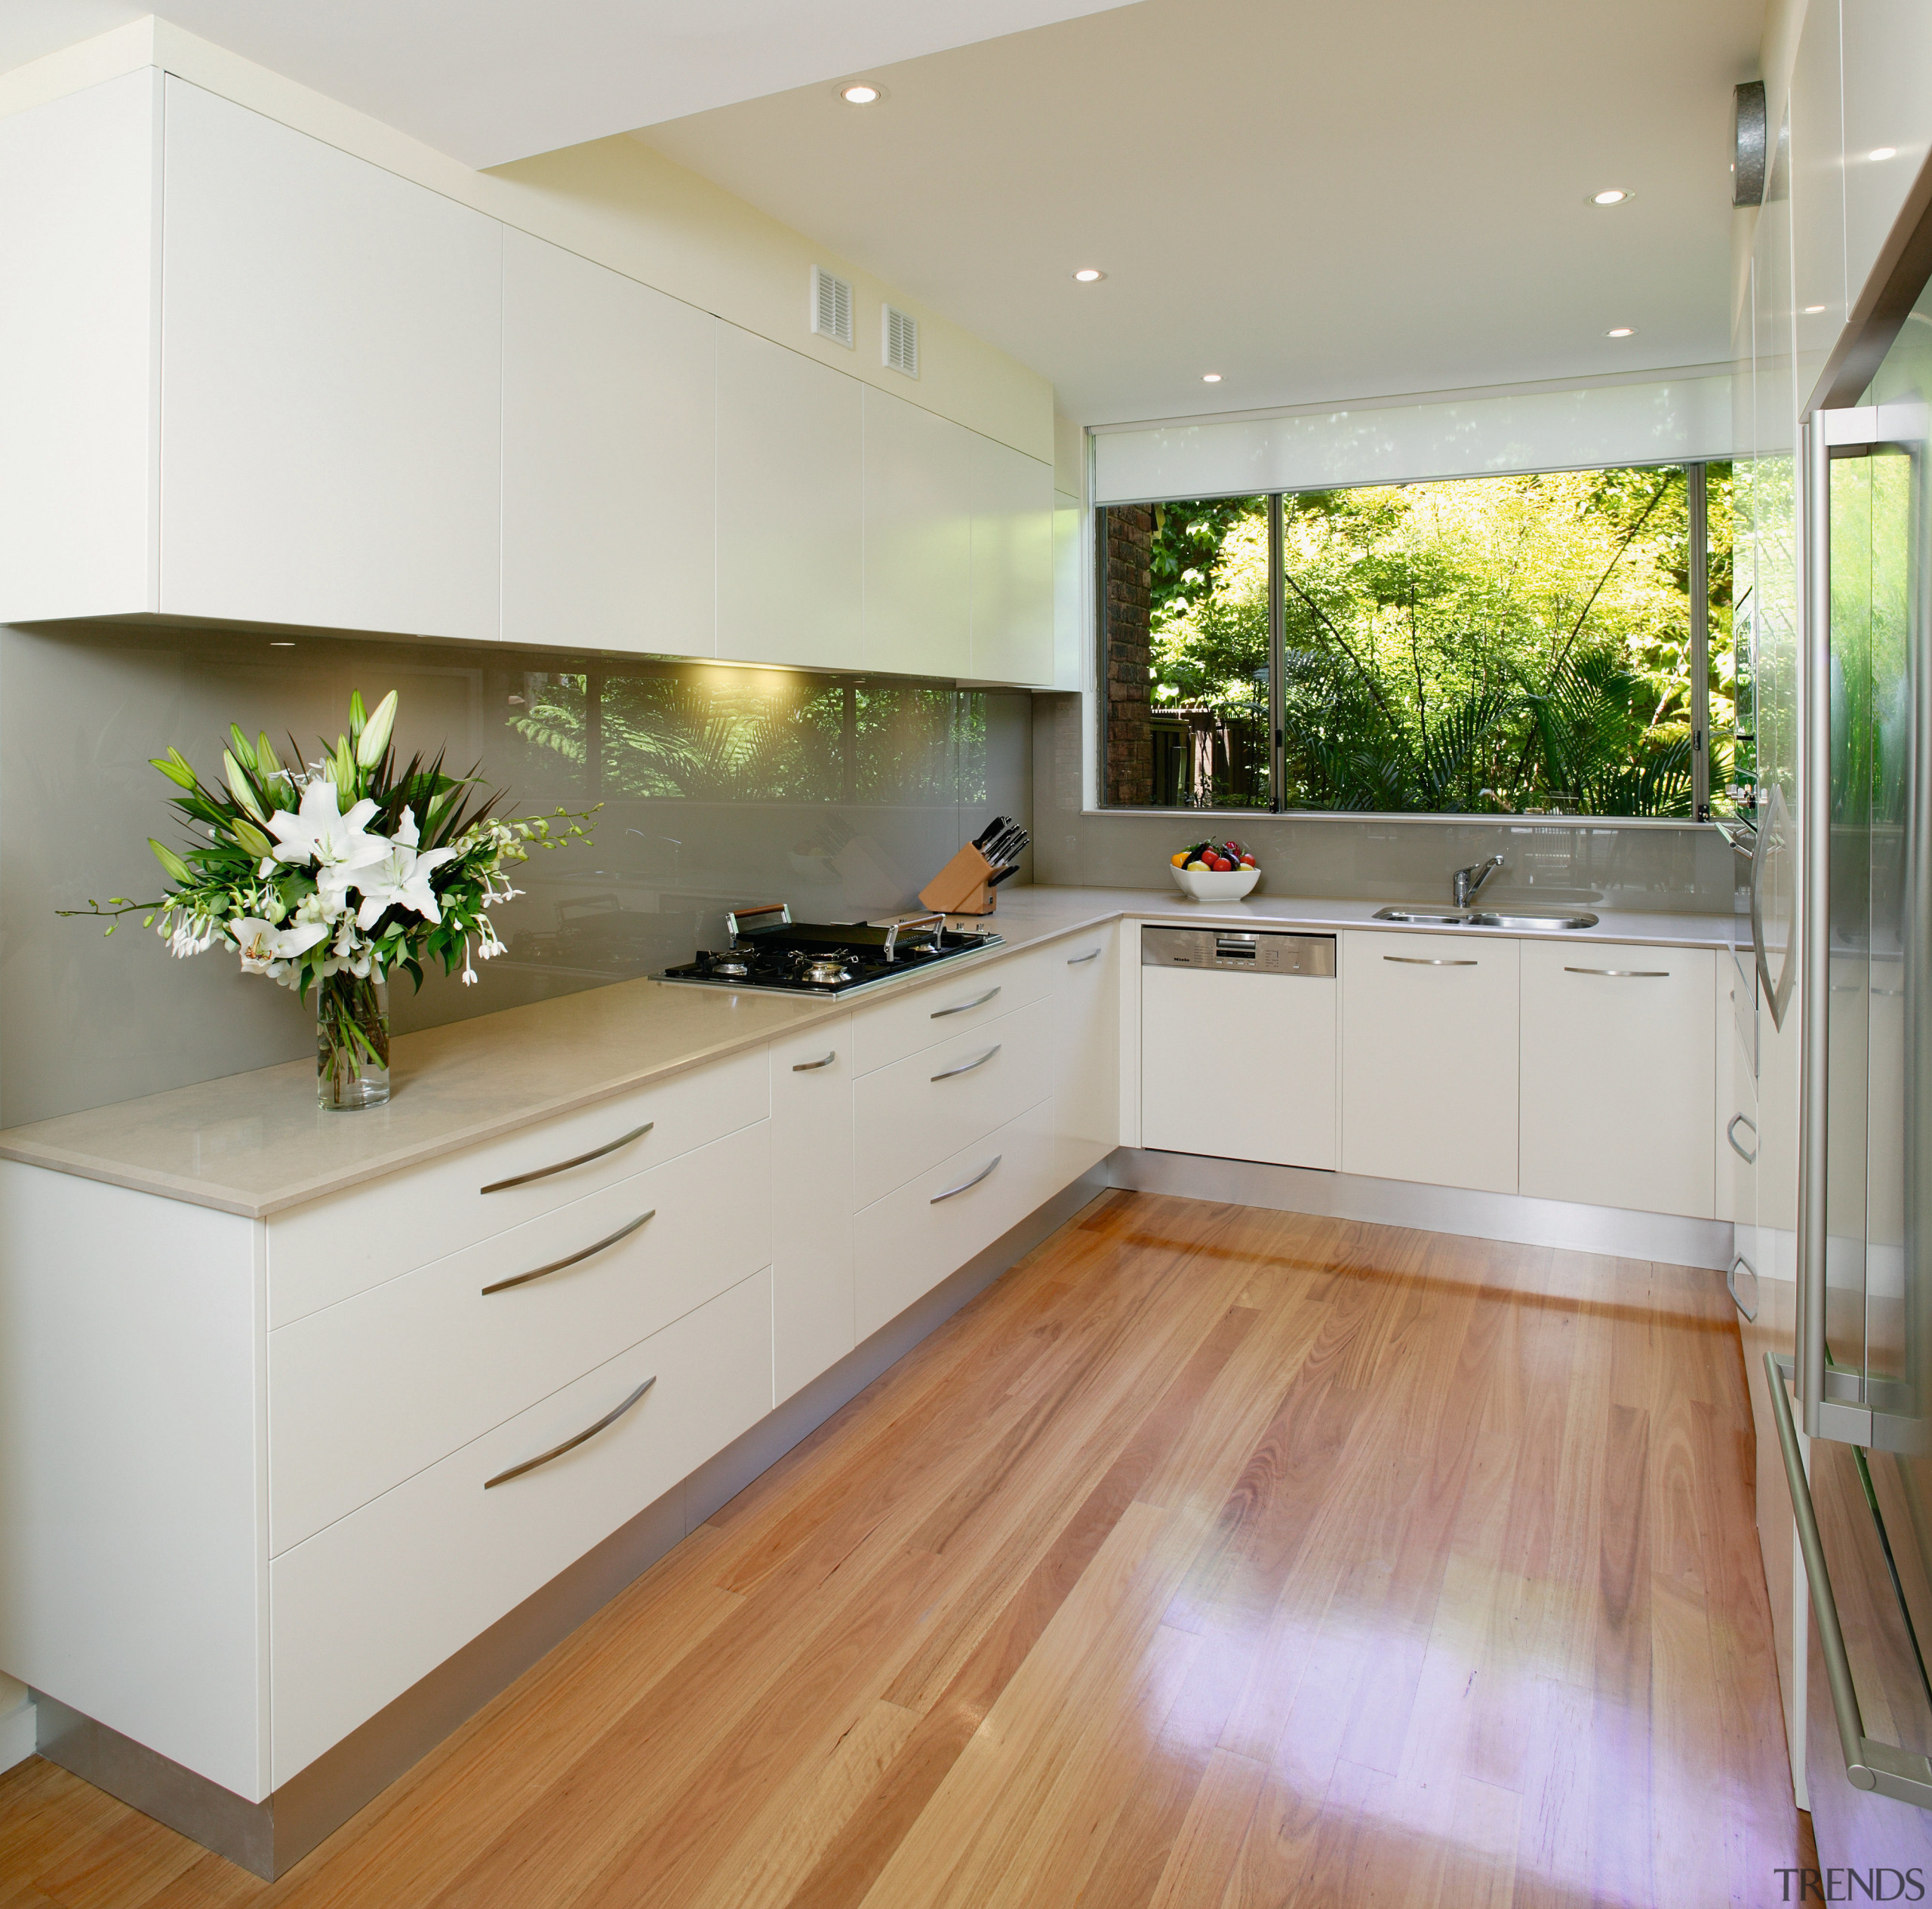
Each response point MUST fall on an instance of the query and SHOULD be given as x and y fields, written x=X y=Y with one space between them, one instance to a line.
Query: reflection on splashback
x=1678 y=868
x=721 y=787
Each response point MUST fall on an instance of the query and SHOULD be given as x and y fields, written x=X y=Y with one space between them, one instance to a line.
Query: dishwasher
x=1237 y=1045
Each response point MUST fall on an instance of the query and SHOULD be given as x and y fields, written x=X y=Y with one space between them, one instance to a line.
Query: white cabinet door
x=1817 y=188
x=1886 y=51
x=331 y=385
x=811 y=1202
x=1618 y=1051
x=791 y=507
x=1428 y=1058
x=918 y=539
x=1069 y=599
x=79 y=238
x=609 y=507
x=1013 y=566
x=1087 y=1050
x=1239 y=1065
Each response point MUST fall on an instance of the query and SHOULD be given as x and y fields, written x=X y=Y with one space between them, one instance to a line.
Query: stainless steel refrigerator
x=1855 y=1411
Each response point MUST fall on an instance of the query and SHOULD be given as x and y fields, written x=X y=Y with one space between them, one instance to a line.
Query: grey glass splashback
x=719 y=786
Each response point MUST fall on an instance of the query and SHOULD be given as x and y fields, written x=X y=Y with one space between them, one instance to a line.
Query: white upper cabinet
x=609 y=455
x=919 y=492
x=77 y=227
x=1013 y=566
x=791 y=507
x=331 y=371
x=1817 y=190
x=1887 y=47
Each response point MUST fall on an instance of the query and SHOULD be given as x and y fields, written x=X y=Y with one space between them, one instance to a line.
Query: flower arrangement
x=334 y=874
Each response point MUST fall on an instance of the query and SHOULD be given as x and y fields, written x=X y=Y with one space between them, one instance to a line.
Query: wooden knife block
x=963 y=887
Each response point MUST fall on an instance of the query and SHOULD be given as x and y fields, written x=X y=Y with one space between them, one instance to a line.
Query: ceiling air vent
x=831 y=306
x=902 y=342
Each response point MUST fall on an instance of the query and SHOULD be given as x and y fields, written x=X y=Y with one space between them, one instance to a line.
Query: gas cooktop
x=770 y=952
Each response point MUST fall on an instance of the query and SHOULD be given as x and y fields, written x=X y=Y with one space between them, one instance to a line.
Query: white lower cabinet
x=1428 y=1058
x=1618 y=1052
x=811 y=1199
x=364 y=1394
x=929 y=1105
x=907 y=1243
x=1086 y=1011
x=361 y=1611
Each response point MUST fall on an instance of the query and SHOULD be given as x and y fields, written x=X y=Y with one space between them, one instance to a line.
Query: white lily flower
x=402 y=878
x=265 y=949
x=338 y=844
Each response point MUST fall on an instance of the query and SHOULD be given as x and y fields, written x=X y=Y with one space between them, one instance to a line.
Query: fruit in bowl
x=1215 y=871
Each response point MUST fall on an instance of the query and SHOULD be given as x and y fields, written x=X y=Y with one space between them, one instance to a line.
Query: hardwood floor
x=1215 y=1557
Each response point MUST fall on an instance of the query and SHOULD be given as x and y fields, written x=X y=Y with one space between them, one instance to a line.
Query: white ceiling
x=490 y=80
x=1318 y=201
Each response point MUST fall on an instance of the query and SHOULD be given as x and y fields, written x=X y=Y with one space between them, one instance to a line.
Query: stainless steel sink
x=1485 y=918
x=1497 y=917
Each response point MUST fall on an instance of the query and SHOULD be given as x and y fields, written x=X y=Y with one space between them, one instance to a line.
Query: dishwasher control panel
x=1238 y=951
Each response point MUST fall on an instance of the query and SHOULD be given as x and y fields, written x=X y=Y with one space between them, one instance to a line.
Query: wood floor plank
x=1214 y=1558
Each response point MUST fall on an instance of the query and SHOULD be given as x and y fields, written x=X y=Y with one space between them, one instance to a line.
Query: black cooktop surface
x=828 y=958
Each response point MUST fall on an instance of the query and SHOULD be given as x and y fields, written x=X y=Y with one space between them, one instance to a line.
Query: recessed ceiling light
x=1611 y=196
x=1811 y=308
x=1621 y=331
x=1210 y=378
x=1088 y=273
x=861 y=92
x=1883 y=152
x=276 y=643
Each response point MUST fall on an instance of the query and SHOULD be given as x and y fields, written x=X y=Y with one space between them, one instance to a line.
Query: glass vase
x=351 y=1042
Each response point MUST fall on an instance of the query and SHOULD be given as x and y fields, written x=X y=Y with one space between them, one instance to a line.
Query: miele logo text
x=1853 y=1885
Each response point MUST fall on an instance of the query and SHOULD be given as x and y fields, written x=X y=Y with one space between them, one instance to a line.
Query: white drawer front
x=910 y=1240
x=889 y=1030
x=364 y=1394
x=365 y=1608
x=914 y=1114
x=326 y=1252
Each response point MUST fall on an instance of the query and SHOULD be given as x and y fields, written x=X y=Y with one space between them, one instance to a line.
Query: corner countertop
x=256 y=1144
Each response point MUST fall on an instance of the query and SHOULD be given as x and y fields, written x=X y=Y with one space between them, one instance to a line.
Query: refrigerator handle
x=1901 y=1774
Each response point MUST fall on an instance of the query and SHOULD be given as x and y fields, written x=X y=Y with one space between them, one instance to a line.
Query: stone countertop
x=256 y=1143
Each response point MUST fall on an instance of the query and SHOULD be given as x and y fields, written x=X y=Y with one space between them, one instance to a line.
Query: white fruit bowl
x=1214 y=884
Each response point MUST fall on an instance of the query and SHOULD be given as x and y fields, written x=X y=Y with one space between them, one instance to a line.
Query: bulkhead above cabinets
x=337 y=399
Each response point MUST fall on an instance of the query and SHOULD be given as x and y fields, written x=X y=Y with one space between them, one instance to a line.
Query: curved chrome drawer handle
x=558 y=1265
x=1423 y=961
x=968 y=1067
x=565 y=1166
x=967 y=1186
x=1730 y=1286
x=1730 y=1135
x=980 y=1001
x=610 y=1417
x=812 y=1067
x=1625 y=974
x=1092 y=954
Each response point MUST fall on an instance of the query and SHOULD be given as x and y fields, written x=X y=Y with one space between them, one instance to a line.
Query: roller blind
x=1673 y=421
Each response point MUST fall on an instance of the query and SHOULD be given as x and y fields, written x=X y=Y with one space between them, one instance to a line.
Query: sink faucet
x=1464 y=883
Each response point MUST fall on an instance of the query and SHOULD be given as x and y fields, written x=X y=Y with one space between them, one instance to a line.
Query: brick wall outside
x=1130 y=545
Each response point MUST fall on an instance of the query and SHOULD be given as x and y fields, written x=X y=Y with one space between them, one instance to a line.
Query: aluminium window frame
x=1697 y=495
